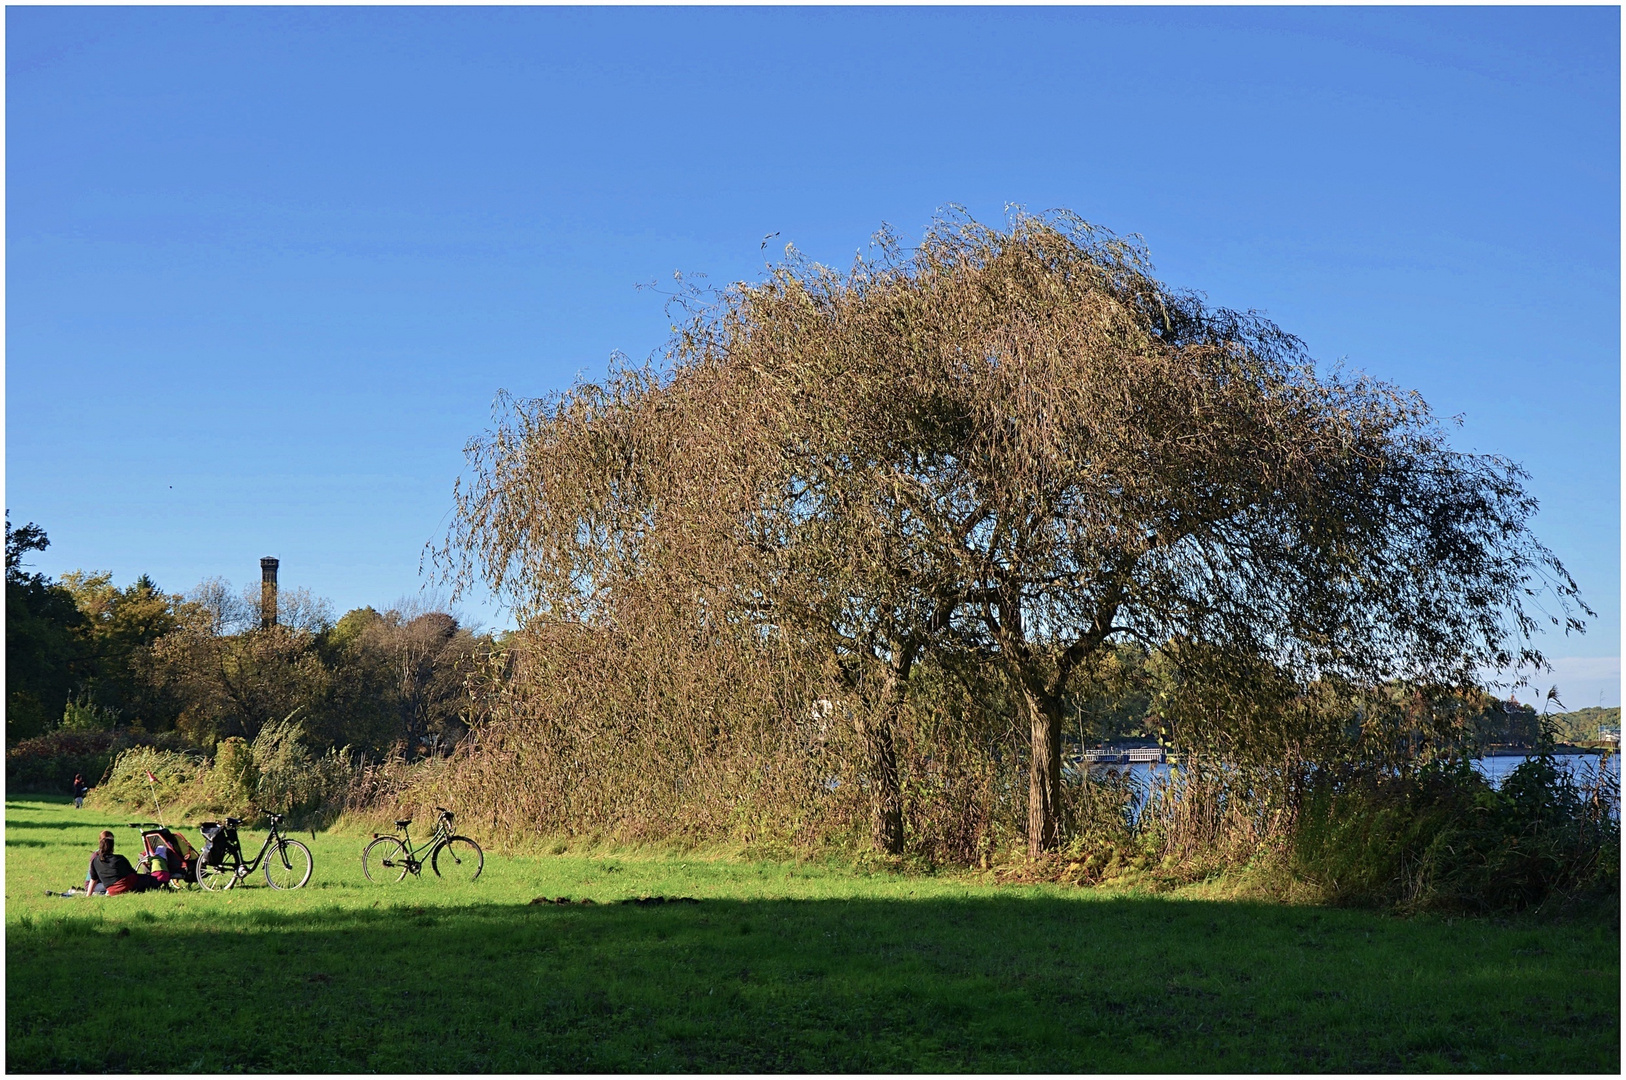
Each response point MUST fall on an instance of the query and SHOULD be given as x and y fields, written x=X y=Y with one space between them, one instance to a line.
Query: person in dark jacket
x=110 y=874
x=80 y=789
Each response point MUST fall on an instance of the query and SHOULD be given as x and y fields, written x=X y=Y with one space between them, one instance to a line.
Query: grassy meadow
x=779 y=966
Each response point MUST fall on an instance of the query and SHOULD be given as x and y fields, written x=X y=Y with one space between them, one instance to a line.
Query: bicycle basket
x=216 y=839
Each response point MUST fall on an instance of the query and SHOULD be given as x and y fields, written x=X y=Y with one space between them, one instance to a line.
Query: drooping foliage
x=988 y=462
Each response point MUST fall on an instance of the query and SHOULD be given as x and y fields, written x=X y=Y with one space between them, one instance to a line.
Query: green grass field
x=780 y=966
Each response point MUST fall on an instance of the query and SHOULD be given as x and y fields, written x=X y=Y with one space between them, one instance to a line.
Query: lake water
x=1582 y=767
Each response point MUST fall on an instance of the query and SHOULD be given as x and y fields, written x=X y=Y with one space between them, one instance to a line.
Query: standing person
x=80 y=788
x=110 y=874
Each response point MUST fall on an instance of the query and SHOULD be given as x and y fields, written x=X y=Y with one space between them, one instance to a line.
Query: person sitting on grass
x=110 y=874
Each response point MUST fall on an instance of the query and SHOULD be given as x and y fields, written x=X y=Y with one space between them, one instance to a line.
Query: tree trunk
x=1044 y=773
x=886 y=793
x=886 y=796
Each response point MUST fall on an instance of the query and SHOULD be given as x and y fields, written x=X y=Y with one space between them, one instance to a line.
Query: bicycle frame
x=442 y=833
x=244 y=869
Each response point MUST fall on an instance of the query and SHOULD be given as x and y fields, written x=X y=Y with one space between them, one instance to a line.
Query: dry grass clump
x=599 y=739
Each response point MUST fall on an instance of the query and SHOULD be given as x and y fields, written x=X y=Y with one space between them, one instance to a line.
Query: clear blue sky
x=267 y=268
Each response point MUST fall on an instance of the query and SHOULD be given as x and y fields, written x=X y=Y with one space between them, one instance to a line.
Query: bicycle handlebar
x=233 y=823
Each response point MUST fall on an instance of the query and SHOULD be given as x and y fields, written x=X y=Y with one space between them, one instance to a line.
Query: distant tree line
x=85 y=655
x=1586 y=725
x=1116 y=705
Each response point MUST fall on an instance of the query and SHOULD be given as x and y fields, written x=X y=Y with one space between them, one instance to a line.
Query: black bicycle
x=391 y=858
x=222 y=865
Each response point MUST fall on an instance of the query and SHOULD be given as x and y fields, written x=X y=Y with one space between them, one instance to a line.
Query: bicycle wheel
x=385 y=861
x=222 y=877
x=458 y=859
x=289 y=866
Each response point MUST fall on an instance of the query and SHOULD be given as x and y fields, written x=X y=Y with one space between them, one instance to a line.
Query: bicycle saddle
x=403 y=824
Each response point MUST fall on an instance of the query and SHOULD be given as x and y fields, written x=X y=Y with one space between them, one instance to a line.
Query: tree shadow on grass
x=991 y=984
x=34 y=800
x=91 y=830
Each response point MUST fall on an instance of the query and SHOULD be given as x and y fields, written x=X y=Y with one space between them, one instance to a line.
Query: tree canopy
x=1010 y=450
x=44 y=656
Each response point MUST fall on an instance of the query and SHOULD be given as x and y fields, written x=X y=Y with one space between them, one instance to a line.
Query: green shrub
x=1442 y=838
x=88 y=716
x=47 y=763
x=275 y=773
x=230 y=784
x=173 y=787
x=289 y=779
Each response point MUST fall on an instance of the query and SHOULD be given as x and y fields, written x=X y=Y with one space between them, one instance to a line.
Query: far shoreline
x=1561 y=750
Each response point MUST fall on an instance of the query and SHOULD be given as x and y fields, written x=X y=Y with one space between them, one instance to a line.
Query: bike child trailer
x=182 y=862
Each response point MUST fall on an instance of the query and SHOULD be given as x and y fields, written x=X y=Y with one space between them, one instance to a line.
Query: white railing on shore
x=1136 y=755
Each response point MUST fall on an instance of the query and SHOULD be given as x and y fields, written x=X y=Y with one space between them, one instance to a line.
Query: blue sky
x=266 y=269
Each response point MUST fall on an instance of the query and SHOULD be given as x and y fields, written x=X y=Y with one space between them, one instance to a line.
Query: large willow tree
x=1012 y=448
